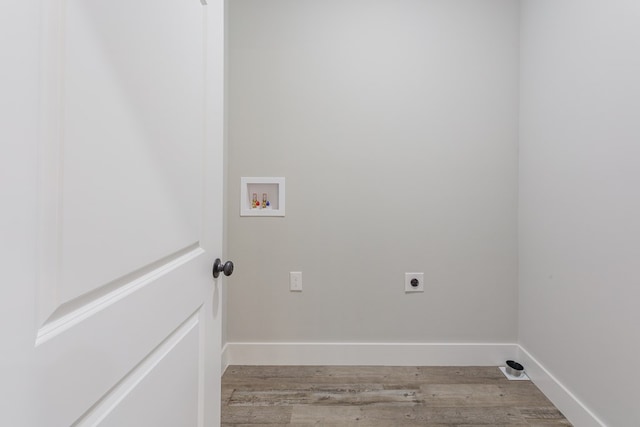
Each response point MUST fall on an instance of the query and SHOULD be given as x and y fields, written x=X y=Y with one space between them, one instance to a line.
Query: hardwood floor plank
x=564 y=423
x=544 y=416
x=326 y=415
x=256 y=415
x=254 y=425
x=226 y=395
x=445 y=416
x=460 y=375
x=308 y=386
x=322 y=374
x=326 y=397
x=482 y=395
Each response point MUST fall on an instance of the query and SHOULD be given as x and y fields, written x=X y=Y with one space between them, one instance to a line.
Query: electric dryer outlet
x=413 y=282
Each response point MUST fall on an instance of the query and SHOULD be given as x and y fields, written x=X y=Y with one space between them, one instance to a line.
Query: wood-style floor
x=381 y=396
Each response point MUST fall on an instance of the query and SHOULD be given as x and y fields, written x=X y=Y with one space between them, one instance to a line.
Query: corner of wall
x=570 y=406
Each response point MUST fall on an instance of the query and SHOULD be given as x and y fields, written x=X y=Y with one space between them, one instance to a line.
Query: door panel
x=133 y=137
x=172 y=368
x=80 y=364
x=127 y=330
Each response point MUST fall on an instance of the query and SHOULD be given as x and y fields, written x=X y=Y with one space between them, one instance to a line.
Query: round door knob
x=218 y=267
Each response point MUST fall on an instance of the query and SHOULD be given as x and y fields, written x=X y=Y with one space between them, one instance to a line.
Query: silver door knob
x=218 y=267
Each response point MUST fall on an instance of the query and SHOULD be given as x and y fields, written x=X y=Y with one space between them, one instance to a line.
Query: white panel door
x=123 y=326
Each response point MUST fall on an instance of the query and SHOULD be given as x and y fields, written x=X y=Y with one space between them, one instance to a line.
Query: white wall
x=580 y=199
x=395 y=125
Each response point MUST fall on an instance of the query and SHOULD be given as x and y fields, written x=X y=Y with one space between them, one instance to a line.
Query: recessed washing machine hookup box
x=262 y=196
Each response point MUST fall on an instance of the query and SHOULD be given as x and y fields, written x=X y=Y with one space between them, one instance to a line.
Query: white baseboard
x=224 y=358
x=572 y=408
x=370 y=354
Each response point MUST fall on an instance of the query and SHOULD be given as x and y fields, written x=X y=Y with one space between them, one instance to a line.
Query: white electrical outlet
x=413 y=282
x=295 y=281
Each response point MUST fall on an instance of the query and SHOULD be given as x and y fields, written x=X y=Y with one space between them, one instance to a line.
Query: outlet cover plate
x=295 y=281
x=408 y=287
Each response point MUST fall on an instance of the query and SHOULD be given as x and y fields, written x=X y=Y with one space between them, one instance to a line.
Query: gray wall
x=395 y=125
x=580 y=199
